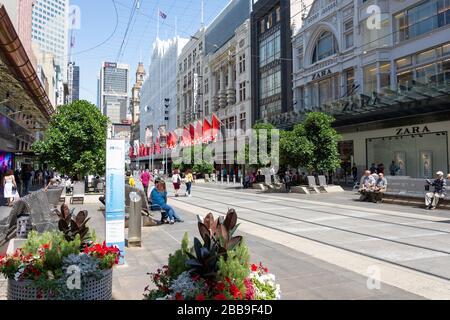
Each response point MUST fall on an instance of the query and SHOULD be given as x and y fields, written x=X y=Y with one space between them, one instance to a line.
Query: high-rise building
x=50 y=29
x=73 y=81
x=113 y=91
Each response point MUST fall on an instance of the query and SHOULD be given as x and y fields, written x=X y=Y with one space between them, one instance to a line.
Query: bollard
x=134 y=222
x=234 y=179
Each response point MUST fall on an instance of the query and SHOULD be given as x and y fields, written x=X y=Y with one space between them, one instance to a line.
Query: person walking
x=159 y=198
x=26 y=179
x=145 y=180
x=189 y=180
x=287 y=181
x=17 y=175
x=432 y=198
x=355 y=173
x=9 y=187
x=176 y=180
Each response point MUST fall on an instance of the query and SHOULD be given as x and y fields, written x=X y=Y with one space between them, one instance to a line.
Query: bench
x=312 y=185
x=323 y=184
x=409 y=190
x=78 y=193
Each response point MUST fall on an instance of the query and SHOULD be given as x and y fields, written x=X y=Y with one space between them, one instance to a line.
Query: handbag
x=427 y=187
x=14 y=189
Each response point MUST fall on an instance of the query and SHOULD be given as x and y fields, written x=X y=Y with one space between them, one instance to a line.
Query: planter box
x=91 y=289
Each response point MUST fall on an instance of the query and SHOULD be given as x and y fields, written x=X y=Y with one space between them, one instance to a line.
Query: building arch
x=323 y=28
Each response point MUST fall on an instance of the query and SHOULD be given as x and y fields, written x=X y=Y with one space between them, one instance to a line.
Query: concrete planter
x=91 y=289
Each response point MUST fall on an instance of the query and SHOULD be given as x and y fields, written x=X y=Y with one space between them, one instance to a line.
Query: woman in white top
x=9 y=182
x=176 y=180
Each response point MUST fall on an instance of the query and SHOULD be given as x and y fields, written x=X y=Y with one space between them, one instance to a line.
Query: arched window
x=326 y=46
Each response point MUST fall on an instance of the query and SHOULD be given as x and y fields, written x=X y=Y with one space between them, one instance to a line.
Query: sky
x=101 y=34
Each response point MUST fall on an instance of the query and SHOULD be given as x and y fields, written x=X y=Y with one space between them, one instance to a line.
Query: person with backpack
x=176 y=180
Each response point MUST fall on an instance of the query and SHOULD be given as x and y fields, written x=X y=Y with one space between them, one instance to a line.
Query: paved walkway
x=301 y=252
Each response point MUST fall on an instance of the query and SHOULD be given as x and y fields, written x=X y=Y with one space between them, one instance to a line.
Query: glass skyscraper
x=50 y=29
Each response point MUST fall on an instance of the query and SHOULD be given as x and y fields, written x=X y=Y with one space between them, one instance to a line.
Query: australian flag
x=162 y=15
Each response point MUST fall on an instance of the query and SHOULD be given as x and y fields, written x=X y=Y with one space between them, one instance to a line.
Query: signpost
x=115 y=195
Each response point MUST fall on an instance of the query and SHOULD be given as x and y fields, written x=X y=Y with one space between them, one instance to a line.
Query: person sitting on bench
x=379 y=189
x=366 y=186
x=159 y=197
x=432 y=198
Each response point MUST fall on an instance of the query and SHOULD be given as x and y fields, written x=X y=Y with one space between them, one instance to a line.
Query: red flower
x=200 y=296
x=254 y=268
x=234 y=290
x=220 y=286
x=220 y=296
x=196 y=278
x=179 y=296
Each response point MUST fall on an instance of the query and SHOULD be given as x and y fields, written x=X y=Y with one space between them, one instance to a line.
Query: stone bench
x=410 y=190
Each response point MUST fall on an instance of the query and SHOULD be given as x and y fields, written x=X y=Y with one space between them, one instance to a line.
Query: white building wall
x=159 y=85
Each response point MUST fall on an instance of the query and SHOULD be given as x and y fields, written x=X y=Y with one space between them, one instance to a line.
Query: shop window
x=404 y=62
x=349 y=75
x=405 y=79
x=326 y=46
x=385 y=75
x=370 y=79
x=426 y=56
x=426 y=74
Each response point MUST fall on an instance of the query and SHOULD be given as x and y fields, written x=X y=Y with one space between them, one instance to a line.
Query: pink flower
x=250 y=290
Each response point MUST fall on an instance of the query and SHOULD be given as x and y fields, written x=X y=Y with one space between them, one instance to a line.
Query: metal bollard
x=135 y=220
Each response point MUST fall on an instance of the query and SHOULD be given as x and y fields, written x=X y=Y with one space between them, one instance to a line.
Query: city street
x=402 y=243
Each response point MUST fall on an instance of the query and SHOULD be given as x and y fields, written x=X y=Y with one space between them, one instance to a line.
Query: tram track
x=323 y=242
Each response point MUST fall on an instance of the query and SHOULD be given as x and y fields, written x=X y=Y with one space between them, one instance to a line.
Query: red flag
x=157 y=147
x=198 y=133
x=141 y=150
x=186 y=138
x=206 y=132
x=215 y=127
x=174 y=140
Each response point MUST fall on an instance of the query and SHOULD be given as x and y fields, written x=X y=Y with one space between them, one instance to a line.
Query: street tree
x=312 y=144
x=75 y=141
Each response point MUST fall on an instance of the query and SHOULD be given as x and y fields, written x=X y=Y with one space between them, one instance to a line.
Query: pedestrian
x=287 y=181
x=26 y=179
x=159 y=198
x=432 y=198
x=231 y=175
x=239 y=175
x=145 y=180
x=189 y=180
x=224 y=174
x=17 y=174
x=176 y=180
x=380 y=168
x=131 y=181
x=373 y=169
x=9 y=187
x=355 y=172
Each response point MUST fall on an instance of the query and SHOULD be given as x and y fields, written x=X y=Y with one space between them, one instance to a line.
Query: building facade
x=271 y=59
x=20 y=13
x=385 y=80
x=190 y=81
x=113 y=89
x=50 y=29
x=158 y=94
x=73 y=82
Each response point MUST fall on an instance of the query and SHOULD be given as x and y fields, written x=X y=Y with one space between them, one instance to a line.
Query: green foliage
x=205 y=168
x=57 y=251
x=236 y=266
x=312 y=144
x=74 y=143
x=177 y=261
x=36 y=240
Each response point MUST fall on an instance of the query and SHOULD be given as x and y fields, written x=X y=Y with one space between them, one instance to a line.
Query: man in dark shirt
x=432 y=198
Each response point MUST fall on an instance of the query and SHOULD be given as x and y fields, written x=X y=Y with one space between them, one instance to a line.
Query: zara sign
x=321 y=74
x=411 y=130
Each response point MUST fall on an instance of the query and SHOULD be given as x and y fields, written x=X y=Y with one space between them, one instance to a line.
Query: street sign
x=115 y=195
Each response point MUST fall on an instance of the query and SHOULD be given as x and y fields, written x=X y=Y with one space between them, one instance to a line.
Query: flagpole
x=157 y=27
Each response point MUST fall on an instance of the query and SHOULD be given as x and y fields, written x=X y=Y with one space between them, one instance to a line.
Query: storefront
x=418 y=150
